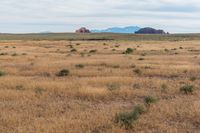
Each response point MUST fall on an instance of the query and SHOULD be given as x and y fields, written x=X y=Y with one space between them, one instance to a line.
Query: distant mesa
x=149 y=30
x=129 y=29
x=83 y=30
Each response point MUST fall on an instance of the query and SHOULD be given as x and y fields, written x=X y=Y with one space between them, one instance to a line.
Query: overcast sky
x=67 y=15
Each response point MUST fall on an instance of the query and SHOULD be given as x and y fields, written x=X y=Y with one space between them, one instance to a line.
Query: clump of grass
x=39 y=90
x=133 y=66
x=163 y=88
x=187 y=89
x=20 y=87
x=193 y=78
x=2 y=73
x=141 y=59
x=113 y=86
x=14 y=54
x=73 y=50
x=137 y=71
x=166 y=50
x=128 y=51
x=136 y=86
x=143 y=54
x=93 y=51
x=63 y=72
x=3 y=53
x=79 y=66
x=149 y=100
x=126 y=119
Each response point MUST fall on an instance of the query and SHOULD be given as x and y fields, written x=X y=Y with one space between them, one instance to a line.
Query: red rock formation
x=83 y=30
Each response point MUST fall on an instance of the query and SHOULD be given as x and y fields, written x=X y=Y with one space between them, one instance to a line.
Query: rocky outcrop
x=149 y=30
x=83 y=30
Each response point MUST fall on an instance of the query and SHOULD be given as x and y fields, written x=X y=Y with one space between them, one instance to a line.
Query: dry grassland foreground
x=100 y=86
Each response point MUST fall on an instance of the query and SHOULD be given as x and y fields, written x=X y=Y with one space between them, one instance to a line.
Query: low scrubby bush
x=187 y=89
x=63 y=72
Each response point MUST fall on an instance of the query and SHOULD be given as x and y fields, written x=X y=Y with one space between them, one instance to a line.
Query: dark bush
x=63 y=72
x=187 y=89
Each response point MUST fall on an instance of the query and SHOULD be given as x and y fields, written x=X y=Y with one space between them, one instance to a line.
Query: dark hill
x=149 y=30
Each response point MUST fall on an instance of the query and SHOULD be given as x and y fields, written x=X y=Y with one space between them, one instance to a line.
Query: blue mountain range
x=129 y=29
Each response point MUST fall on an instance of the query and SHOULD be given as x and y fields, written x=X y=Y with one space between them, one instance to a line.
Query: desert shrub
x=116 y=66
x=180 y=47
x=163 y=88
x=20 y=87
x=73 y=50
x=149 y=100
x=141 y=59
x=93 y=51
x=136 y=86
x=63 y=72
x=14 y=54
x=126 y=119
x=187 y=89
x=133 y=66
x=113 y=86
x=2 y=73
x=24 y=53
x=166 y=50
x=79 y=66
x=137 y=71
x=78 y=44
x=128 y=51
x=39 y=90
x=3 y=53
x=143 y=54
x=193 y=78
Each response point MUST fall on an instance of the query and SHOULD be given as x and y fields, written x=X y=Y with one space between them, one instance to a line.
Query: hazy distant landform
x=129 y=29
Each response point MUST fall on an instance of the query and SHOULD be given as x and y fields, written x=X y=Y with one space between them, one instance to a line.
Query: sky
x=31 y=16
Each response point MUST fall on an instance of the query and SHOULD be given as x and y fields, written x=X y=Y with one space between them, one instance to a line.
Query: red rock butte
x=83 y=30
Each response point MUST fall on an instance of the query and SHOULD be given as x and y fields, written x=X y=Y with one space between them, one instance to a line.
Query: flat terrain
x=65 y=86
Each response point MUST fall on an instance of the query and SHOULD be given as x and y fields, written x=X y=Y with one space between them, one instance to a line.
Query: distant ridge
x=129 y=29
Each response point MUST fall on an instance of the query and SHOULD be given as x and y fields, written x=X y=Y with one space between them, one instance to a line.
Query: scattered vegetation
x=63 y=72
x=187 y=89
x=128 y=51
x=126 y=119
x=79 y=66
x=2 y=73
x=149 y=100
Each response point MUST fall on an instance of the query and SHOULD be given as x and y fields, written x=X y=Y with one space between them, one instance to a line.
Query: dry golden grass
x=34 y=99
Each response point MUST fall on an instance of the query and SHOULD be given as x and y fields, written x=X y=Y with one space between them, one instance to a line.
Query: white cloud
x=67 y=15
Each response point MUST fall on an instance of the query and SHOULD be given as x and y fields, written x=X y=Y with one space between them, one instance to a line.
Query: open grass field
x=100 y=84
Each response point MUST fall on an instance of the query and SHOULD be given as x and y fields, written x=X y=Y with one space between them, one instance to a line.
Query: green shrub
x=113 y=86
x=14 y=54
x=193 y=78
x=63 y=72
x=187 y=89
x=2 y=73
x=141 y=59
x=73 y=50
x=137 y=71
x=126 y=119
x=79 y=66
x=149 y=100
x=143 y=54
x=128 y=51
x=93 y=51
x=39 y=90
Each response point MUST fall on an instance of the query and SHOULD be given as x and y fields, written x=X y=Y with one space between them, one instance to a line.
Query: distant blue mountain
x=129 y=29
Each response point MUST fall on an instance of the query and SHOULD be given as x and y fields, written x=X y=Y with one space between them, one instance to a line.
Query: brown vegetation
x=44 y=87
